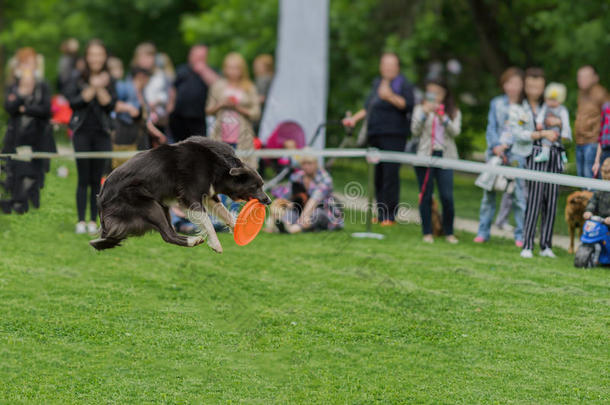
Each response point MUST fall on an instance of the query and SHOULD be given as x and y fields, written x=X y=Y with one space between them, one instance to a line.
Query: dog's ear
x=236 y=171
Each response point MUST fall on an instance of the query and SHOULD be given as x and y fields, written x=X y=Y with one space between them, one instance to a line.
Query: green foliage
x=122 y=25
x=43 y=25
x=243 y=26
x=486 y=36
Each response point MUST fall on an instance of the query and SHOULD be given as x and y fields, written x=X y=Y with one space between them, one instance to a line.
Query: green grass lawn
x=314 y=318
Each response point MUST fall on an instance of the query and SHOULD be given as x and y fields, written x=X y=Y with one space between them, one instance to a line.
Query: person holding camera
x=436 y=122
x=388 y=113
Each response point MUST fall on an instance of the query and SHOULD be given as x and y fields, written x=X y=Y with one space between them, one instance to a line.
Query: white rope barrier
x=478 y=167
x=371 y=155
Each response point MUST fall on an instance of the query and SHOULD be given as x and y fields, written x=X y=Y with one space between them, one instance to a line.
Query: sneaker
x=451 y=239
x=542 y=157
x=92 y=228
x=527 y=253
x=387 y=222
x=81 y=228
x=547 y=253
x=428 y=239
x=479 y=239
x=519 y=243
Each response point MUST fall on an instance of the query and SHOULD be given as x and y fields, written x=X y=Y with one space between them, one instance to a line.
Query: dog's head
x=579 y=199
x=243 y=184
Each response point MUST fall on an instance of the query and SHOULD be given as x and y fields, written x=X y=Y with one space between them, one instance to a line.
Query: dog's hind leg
x=217 y=208
x=105 y=243
x=572 y=232
x=108 y=239
x=157 y=216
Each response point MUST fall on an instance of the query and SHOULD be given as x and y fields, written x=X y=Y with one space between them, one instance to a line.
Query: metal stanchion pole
x=371 y=187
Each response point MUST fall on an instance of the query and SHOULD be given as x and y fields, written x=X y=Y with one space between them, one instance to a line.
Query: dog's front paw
x=194 y=240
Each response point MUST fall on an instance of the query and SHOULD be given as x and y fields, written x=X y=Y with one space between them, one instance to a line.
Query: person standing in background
x=165 y=64
x=157 y=90
x=235 y=103
x=66 y=66
x=92 y=96
x=263 y=76
x=509 y=117
x=189 y=95
x=28 y=103
x=591 y=97
x=534 y=88
x=553 y=125
x=387 y=109
x=603 y=143
x=436 y=122
x=129 y=114
x=116 y=69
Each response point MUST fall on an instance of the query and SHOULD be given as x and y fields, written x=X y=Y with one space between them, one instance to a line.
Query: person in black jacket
x=92 y=96
x=388 y=111
x=28 y=103
x=189 y=95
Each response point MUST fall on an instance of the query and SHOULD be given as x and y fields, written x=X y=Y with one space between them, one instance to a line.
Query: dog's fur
x=277 y=210
x=134 y=198
x=575 y=208
x=437 y=219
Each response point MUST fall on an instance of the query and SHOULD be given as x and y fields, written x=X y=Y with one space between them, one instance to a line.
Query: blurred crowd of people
x=147 y=103
x=108 y=106
x=528 y=127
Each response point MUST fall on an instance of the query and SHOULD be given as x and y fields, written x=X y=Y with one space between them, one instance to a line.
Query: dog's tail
x=105 y=243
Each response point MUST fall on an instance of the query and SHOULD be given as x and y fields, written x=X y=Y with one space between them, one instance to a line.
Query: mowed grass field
x=313 y=318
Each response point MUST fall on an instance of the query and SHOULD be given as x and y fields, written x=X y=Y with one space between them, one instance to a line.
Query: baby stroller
x=286 y=135
x=291 y=133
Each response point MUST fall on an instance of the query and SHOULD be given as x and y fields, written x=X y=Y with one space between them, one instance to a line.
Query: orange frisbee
x=249 y=222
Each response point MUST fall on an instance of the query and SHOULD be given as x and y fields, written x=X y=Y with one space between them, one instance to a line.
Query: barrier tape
x=371 y=155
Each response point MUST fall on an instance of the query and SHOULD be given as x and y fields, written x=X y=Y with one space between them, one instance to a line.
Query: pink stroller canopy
x=286 y=131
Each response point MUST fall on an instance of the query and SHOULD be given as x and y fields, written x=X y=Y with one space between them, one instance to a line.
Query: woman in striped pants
x=542 y=197
x=541 y=201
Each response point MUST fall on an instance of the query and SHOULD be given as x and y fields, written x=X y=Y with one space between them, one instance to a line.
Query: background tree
x=486 y=36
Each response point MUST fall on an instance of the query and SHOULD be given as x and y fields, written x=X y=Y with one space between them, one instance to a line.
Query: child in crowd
x=599 y=204
x=554 y=97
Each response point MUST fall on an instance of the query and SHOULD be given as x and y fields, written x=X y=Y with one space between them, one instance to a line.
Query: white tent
x=300 y=87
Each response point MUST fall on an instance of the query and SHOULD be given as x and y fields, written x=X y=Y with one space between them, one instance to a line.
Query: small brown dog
x=277 y=210
x=437 y=220
x=575 y=208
